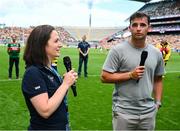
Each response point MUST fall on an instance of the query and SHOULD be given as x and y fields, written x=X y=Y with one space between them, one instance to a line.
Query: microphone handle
x=137 y=81
x=73 y=87
x=141 y=64
x=68 y=69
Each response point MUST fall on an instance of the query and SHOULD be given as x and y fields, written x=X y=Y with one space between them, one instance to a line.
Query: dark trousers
x=11 y=63
x=81 y=60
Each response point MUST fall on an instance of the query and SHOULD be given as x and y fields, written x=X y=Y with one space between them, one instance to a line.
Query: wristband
x=130 y=75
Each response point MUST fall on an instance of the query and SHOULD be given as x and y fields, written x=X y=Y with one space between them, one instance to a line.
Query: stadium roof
x=145 y=1
x=142 y=0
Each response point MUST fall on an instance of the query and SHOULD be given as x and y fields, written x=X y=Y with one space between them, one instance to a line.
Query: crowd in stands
x=166 y=27
x=6 y=32
x=162 y=8
x=158 y=9
x=64 y=35
x=23 y=33
x=173 y=40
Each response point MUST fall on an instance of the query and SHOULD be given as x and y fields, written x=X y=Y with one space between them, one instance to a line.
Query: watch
x=158 y=103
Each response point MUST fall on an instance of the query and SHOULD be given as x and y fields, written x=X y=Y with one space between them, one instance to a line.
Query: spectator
x=54 y=63
x=13 y=51
x=165 y=50
x=83 y=56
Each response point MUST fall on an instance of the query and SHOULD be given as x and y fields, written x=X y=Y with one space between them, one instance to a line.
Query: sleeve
x=8 y=47
x=33 y=83
x=111 y=63
x=160 y=66
x=79 y=45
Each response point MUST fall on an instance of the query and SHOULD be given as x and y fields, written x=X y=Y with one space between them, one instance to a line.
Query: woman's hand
x=70 y=77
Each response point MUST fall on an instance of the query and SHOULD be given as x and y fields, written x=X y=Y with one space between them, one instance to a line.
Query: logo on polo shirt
x=37 y=87
x=51 y=78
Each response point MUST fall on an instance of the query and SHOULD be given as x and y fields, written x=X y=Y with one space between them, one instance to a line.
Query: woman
x=43 y=89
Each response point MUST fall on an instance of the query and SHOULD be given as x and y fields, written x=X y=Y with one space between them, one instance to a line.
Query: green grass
x=91 y=109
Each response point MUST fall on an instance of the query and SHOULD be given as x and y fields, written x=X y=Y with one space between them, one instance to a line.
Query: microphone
x=67 y=64
x=144 y=55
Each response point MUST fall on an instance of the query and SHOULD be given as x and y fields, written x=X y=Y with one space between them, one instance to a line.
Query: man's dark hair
x=35 y=53
x=139 y=15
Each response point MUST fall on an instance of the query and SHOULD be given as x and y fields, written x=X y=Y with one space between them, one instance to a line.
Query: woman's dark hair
x=35 y=53
x=139 y=15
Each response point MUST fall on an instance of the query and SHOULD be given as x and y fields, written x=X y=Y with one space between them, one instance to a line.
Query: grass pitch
x=91 y=109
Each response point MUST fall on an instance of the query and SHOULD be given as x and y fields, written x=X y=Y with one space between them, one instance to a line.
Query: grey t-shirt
x=130 y=96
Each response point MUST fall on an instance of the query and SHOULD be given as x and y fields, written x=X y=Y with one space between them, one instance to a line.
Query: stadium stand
x=70 y=36
x=94 y=34
x=165 y=22
x=23 y=34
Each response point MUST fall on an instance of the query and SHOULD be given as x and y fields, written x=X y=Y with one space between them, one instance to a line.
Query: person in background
x=138 y=89
x=43 y=88
x=165 y=50
x=13 y=49
x=83 y=48
x=54 y=63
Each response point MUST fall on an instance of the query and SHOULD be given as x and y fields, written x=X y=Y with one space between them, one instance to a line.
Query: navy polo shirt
x=83 y=46
x=37 y=80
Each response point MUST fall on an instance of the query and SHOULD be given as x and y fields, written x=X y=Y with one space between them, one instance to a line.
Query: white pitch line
x=4 y=80
x=172 y=71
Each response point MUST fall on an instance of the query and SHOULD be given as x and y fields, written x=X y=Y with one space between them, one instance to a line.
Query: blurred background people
x=165 y=50
x=13 y=49
x=83 y=48
x=54 y=63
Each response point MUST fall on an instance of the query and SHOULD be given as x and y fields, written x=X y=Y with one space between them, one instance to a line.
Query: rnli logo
x=51 y=78
x=37 y=87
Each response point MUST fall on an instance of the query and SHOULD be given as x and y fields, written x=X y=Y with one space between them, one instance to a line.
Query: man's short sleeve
x=79 y=45
x=111 y=63
x=160 y=66
x=33 y=82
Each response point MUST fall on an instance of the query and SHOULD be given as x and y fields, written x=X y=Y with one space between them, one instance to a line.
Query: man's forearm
x=107 y=77
x=158 y=89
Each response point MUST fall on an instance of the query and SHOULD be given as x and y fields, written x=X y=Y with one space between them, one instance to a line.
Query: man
x=13 y=51
x=83 y=48
x=165 y=50
x=134 y=108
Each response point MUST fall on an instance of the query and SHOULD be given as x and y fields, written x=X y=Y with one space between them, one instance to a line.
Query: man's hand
x=138 y=72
